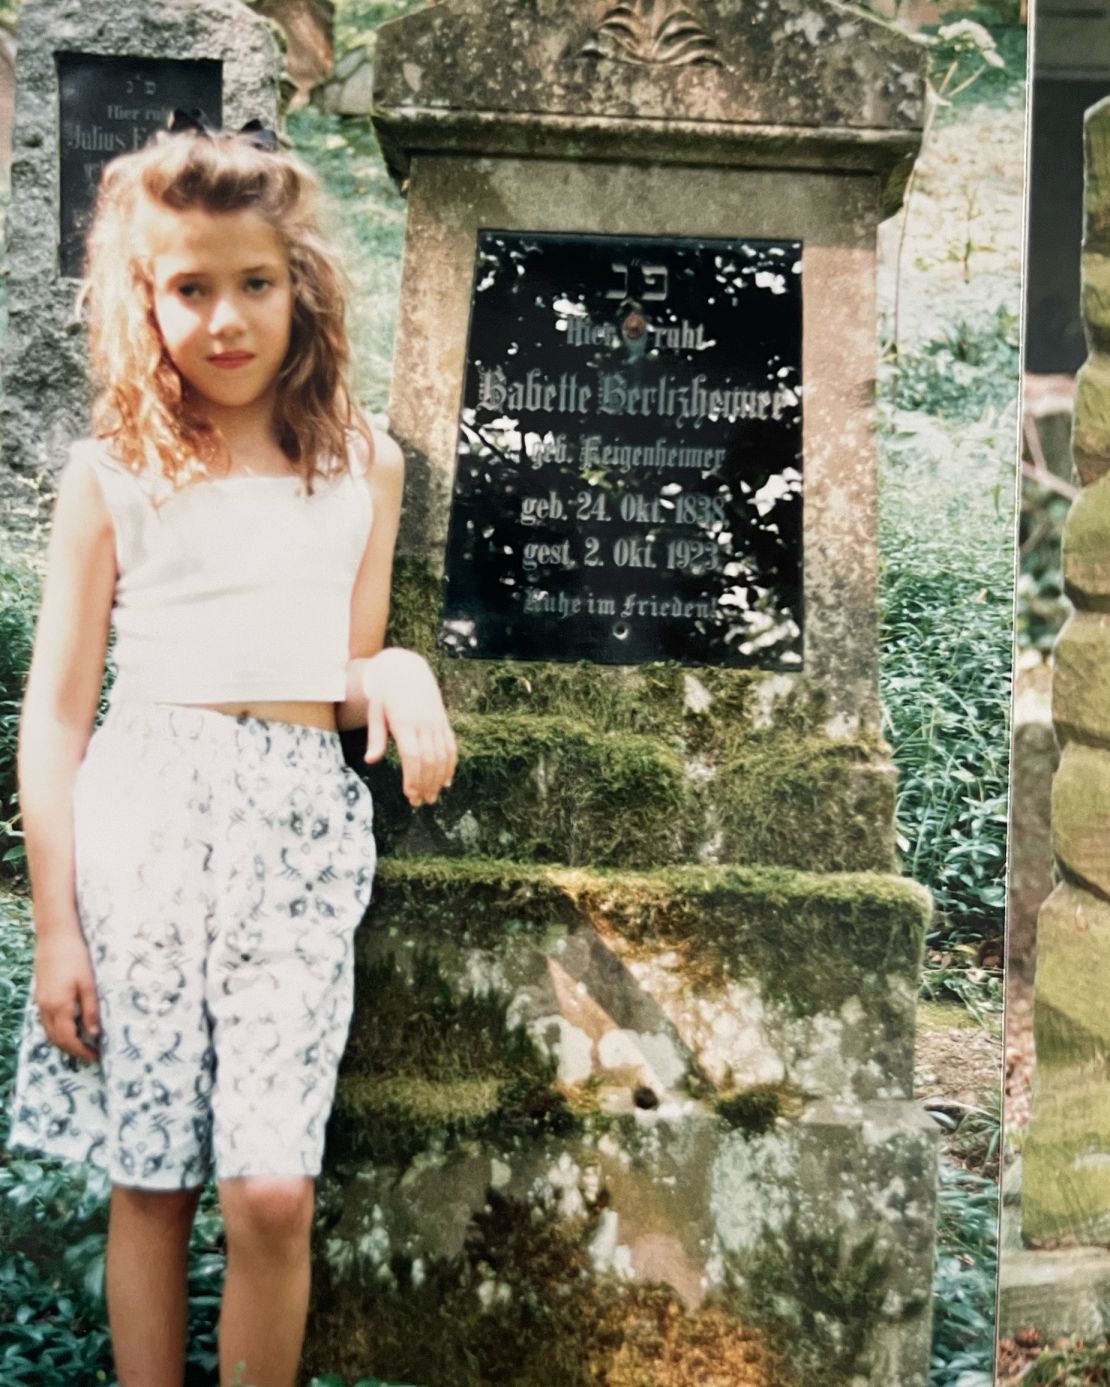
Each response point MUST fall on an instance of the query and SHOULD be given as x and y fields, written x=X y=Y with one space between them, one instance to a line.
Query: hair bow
x=193 y=121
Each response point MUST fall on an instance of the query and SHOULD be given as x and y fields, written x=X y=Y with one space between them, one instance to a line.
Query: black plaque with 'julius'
x=108 y=106
x=629 y=478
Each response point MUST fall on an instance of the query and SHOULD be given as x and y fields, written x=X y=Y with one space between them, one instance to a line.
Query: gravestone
x=629 y=1081
x=91 y=82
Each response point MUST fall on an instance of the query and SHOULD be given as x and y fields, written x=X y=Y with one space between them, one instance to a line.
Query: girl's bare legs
x=147 y=1291
x=262 y=1319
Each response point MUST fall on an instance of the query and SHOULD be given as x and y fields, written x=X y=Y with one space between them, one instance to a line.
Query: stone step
x=622 y=989
x=545 y=788
x=672 y=1214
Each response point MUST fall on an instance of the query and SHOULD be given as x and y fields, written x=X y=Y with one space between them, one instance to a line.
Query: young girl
x=200 y=863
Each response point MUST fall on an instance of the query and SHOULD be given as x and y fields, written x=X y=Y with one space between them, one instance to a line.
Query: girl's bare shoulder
x=386 y=454
x=384 y=465
x=81 y=502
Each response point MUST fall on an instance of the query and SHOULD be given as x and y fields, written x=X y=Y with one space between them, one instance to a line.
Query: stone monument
x=1066 y=1185
x=93 y=81
x=629 y=1082
x=1054 y=1266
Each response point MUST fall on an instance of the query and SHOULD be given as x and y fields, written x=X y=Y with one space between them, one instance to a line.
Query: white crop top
x=237 y=588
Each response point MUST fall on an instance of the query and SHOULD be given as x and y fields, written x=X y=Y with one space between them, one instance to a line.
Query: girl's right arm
x=59 y=707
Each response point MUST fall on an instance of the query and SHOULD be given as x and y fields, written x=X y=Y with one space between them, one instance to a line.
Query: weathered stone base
x=813 y=1236
x=485 y=984
x=1058 y=1293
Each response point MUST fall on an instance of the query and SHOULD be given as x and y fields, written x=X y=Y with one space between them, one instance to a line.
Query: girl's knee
x=268 y=1207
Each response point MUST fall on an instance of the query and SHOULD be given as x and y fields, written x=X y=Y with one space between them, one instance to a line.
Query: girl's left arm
x=392 y=691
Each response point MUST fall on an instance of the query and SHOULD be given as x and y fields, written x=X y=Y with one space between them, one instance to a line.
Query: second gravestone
x=93 y=81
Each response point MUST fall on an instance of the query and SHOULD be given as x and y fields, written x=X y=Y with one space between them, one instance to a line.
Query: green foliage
x=356 y=20
x=366 y=219
x=964 y=1280
x=998 y=84
x=971 y=365
x=19 y=597
x=980 y=990
x=977 y=1140
x=946 y=665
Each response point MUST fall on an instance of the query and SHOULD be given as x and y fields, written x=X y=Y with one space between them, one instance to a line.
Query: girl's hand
x=64 y=987
x=404 y=701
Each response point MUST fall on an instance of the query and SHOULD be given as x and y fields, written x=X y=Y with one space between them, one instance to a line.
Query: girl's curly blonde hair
x=143 y=406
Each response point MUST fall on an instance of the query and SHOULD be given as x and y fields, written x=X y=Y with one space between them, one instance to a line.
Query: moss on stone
x=834 y=1284
x=545 y=789
x=524 y=1305
x=810 y=940
x=425 y=1064
x=638 y=765
x=756 y=1109
x=803 y=800
x=415 y=600
x=540 y=788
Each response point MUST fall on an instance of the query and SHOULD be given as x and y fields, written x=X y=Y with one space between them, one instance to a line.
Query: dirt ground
x=956 y=1058
x=958 y=1071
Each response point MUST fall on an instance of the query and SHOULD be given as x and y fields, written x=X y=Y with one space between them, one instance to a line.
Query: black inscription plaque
x=629 y=478
x=108 y=106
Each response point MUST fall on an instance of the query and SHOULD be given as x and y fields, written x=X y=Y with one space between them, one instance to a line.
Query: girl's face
x=223 y=300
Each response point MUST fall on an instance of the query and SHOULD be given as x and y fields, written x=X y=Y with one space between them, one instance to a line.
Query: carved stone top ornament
x=787 y=83
x=651 y=33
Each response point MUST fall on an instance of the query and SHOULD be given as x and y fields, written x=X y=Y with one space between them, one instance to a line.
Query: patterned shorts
x=222 y=867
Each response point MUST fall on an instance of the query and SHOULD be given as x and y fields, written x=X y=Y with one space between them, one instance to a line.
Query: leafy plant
x=356 y=20
x=946 y=653
x=19 y=595
x=971 y=365
x=964 y=1281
